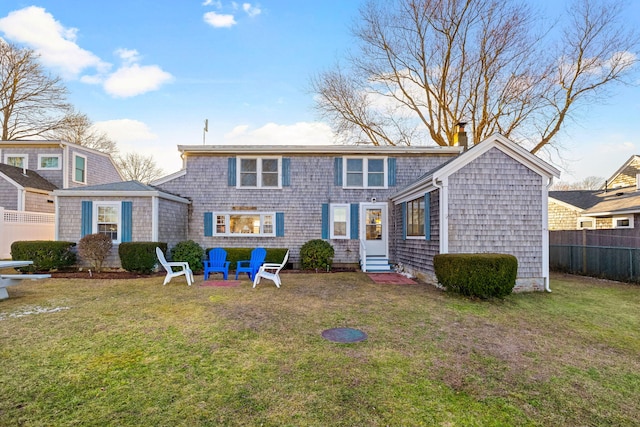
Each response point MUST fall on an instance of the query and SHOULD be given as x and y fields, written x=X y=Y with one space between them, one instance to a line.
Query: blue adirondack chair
x=217 y=263
x=252 y=266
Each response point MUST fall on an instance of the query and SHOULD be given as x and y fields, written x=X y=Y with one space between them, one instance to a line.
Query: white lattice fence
x=21 y=225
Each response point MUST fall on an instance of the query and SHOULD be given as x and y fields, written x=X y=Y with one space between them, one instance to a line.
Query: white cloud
x=216 y=4
x=132 y=80
x=128 y=56
x=251 y=10
x=126 y=130
x=36 y=28
x=302 y=133
x=219 y=20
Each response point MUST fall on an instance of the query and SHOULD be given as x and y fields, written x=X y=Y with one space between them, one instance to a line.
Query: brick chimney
x=460 y=137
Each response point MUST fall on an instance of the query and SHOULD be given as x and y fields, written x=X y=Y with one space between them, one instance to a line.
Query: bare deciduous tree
x=423 y=66
x=136 y=166
x=32 y=103
x=588 y=183
x=77 y=128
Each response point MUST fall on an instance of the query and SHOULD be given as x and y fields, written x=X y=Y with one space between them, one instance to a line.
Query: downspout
x=56 y=206
x=545 y=234
x=444 y=213
x=154 y=218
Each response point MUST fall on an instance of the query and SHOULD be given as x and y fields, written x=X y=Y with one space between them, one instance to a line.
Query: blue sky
x=150 y=72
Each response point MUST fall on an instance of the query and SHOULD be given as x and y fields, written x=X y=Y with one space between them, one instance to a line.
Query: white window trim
x=332 y=208
x=118 y=206
x=58 y=156
x=24 y=156
x=616 y=218
x=258 y=171
x=582 y=218
x=227 y=224
x=365 y=172
x=73 y=168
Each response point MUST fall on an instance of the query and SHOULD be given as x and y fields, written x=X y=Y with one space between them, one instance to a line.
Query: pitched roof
x=626 y=174
x=583 y=199
x=30 y=179
x=601 y=203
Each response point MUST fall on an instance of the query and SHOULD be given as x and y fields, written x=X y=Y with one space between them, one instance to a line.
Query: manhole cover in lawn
x=344 y=335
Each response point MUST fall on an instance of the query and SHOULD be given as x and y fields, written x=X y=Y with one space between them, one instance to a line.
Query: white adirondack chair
x=271 y=271
x=183 y=268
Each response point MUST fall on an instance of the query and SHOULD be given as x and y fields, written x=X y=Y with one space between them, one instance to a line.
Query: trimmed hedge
x=477 y=275
x=191 y=252
x=316 y=254
x=275 y=255
x=46 y=255
x=140 y=257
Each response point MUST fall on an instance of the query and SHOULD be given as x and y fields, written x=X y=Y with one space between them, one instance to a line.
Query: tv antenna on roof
x=205 y=130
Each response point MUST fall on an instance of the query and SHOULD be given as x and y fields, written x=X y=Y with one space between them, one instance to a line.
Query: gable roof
x=30 y=179
x=498 y=141
x=120 y=189
x=626 y=173
x=619 y=201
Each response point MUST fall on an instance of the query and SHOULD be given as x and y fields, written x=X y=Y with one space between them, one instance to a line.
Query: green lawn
x=136 y=353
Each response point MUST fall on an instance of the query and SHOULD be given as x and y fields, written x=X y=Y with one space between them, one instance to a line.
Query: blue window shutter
x=231 y=177
x=325 y=220
x=337 y=171
x=404 y=220
x=87 y=218
x=391 y=171
x=208 y=224
x=427 y=216
x=279 y=224
x=126 y=212
x=286 y=171
x=355 y=221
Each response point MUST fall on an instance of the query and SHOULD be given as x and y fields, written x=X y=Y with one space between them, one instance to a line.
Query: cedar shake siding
x=562 y=217
x=311 y=183
x=495 y=205
x=415 y=255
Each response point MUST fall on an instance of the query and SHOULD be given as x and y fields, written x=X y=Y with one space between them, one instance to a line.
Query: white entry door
x=373 y=218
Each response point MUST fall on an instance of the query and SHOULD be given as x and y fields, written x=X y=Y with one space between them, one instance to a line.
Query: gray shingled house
x=615 y=206
x=25 y=190
x=376 y=205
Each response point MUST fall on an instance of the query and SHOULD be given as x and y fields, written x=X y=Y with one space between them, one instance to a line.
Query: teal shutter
x=126 y=214
x=86 y=222
x=355 y=221
x=208 y=224
x=279 y=224
x=337 y=171
x=325 y=220
x=404 y=220
x=286 y=172
x=427 y=216
x=231 y=177
x=391 y=171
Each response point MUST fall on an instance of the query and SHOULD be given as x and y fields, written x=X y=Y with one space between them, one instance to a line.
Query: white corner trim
x=444 y=214
x=155 y=206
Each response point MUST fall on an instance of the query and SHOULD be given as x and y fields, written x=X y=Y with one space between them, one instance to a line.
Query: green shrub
x=140 y=257
x=191 y=252
x=478 y=275
x=95 y=248
x=275 y=255
x=46 y=255
x=316 y=254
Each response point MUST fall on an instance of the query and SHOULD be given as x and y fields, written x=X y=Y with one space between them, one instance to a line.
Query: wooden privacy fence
x=21 y=225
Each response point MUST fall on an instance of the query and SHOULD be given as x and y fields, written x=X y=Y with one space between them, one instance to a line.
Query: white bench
x=14 y=279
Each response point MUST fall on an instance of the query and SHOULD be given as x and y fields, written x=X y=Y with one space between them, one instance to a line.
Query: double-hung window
x=107 y=217
x=259 y=172
x=244 y=224
x=415 y=218
x=363 y=172
x=339 y=221
x=17 y=160
x=79 y=168
x=49 y=162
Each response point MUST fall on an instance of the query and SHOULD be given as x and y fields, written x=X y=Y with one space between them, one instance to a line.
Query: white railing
x=363 y=256
x=21 y=225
